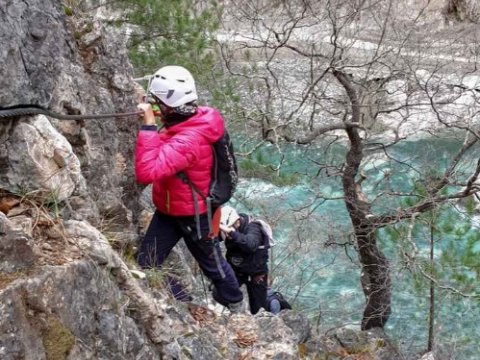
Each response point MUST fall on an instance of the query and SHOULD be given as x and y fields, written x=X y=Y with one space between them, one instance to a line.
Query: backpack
x=223 y=183
x=224 y=171
x=266 y=231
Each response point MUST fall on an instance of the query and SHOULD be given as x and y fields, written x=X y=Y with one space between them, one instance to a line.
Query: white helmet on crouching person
x=174 y=86
x=229 y=216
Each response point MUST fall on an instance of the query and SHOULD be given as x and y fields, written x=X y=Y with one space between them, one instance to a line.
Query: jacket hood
x=244 y=221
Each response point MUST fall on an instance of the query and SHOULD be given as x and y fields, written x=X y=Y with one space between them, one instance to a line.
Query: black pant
x=256 y=288
x=163 y=234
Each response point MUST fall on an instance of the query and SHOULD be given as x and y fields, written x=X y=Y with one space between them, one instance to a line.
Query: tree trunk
x=375 y=280
x=375 y=276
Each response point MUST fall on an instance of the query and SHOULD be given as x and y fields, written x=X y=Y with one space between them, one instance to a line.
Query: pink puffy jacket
x=186 y=146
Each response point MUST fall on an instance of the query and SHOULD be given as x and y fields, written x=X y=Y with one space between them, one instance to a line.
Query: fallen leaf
x=7 y=202
x=201 y=314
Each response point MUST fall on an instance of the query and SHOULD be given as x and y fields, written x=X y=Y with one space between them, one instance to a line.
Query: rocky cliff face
x=72 y=66
x=69 y=208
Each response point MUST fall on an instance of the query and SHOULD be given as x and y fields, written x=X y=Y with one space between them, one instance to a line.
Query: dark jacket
x=247 y=249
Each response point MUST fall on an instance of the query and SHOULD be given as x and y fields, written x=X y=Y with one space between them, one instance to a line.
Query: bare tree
x=368 y=75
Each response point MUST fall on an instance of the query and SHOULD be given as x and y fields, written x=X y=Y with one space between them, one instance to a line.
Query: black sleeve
x=250 y=240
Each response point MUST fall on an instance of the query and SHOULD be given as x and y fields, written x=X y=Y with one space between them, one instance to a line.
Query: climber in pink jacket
x=183 y=145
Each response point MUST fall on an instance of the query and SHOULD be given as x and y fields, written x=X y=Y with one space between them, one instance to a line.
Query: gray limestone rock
x=71 y=65
x=16 y=248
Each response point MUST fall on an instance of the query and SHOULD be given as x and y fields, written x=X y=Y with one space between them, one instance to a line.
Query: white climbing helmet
x=174 y=86
x=229 y=216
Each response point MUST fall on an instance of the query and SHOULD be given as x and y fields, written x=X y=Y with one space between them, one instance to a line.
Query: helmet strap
x=172 y=116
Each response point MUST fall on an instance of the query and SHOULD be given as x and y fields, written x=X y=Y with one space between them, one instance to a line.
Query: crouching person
x=247 y=253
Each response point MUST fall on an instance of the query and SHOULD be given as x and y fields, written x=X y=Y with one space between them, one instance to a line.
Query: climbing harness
x=22 y=110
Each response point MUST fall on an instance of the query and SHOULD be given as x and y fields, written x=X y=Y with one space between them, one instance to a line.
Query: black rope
x=22 y=110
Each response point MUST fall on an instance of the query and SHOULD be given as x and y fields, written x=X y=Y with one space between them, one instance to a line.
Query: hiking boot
x=236 y=308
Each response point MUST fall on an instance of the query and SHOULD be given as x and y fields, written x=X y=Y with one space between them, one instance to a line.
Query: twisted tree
x=369 y=76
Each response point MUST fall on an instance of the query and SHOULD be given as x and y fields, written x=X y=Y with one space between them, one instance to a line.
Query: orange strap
x=215 y=231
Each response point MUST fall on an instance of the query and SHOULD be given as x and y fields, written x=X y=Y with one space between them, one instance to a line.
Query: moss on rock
x=57 y=340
